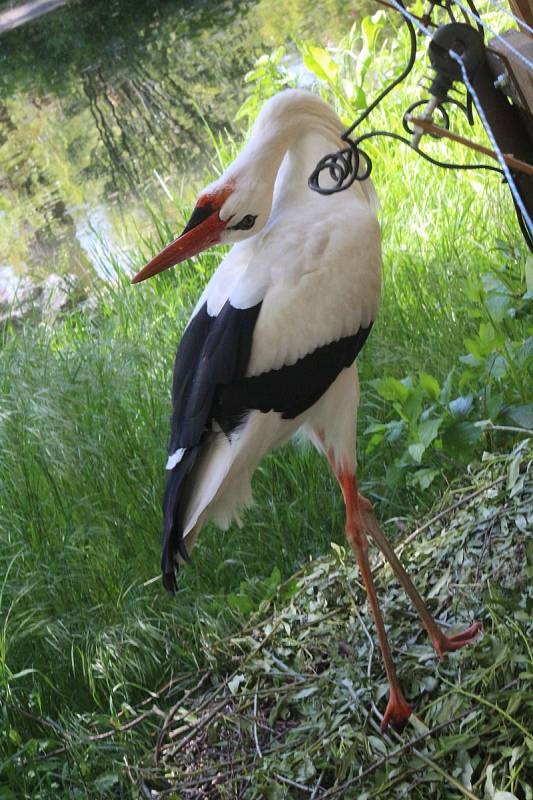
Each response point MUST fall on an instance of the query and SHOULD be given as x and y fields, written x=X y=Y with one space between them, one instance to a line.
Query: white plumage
x=315 y=266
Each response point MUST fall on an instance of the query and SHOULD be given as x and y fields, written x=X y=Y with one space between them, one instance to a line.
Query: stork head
x=227 y=211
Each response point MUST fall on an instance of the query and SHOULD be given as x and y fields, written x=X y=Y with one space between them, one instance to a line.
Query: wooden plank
x=523 y=9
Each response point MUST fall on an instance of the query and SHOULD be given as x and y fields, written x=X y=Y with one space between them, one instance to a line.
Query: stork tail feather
x=173 y=541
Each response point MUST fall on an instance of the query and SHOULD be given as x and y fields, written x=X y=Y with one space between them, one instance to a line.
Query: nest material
x=290 y=705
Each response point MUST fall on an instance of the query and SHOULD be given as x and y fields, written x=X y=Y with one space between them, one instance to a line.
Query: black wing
x=213 y=352
x=209 y=386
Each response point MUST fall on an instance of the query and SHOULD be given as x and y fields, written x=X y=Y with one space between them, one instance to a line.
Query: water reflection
x=94 y=98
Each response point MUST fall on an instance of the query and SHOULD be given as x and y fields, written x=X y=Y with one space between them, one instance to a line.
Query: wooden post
x=523 y=9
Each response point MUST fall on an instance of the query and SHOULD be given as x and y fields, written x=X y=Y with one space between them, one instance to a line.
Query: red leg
x=398 y=710
x=441 y=642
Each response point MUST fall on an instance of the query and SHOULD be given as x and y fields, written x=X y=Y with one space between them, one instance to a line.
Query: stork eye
x=246 y=223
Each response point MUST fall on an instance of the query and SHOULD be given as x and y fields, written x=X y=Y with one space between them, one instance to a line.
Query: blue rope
x=456 y=57
x=510 y=47
x=510 y=14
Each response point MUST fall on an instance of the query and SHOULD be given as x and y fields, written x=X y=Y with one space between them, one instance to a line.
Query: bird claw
x=444 y=644
x=397 y=712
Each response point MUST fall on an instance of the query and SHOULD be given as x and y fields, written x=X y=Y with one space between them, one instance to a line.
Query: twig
x=256 y=739
x=317 y=785
x=485 y=702
x=210 y=779
x=408 y=539
x=247 y=658
x=288 y=781
x=99 y=737
x=197 y=727
x=394 y=753
x=370 y=641
x=425 y=19
x=170 y=716
x=429 y=761
x=436 y=130
x=44 y=722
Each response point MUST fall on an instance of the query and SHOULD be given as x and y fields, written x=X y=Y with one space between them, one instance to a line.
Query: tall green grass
x=83 y=426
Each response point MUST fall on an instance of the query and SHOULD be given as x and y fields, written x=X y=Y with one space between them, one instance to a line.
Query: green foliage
x=267 y=77
x=427 y=423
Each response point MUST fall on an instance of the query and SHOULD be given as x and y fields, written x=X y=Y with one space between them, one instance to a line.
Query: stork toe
x=397 y=713
x=444 y=644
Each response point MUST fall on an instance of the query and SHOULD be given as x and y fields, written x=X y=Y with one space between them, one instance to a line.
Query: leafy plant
x=341 y=72
x=269 y=75
x=435 y=425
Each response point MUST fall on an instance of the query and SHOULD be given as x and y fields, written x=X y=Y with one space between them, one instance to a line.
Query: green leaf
x=413 y=405
x=488 y=336
x=307 y=692
x=391 y=389
x=370 y=27
x=375 y=441
x=461 y=438
x=494 y=404
x=521 y=415
x=446 y=388
x=377 y=745
x=363 y=62
x=497 y=305
x=275 y=578
x=376 y=427
x=359 y=100
x=235 y=682
x=428 y=430
x=430 y=385
x=106 y=782
x=306 y=770
x=473 y=347
x=529 y=274
x=422 y=478
x=524 y=352
x=7 y=794
x=461 y=405
x=240 y=602
x=320 y=63
x=496 y=366
x=416 y=451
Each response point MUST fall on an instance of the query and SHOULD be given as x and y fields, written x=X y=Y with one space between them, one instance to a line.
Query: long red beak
x=202 y=231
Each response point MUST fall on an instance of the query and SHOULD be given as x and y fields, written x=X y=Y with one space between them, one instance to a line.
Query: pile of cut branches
x=290 y=706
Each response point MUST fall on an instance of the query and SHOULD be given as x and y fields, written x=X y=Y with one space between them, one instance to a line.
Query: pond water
x=103 y=110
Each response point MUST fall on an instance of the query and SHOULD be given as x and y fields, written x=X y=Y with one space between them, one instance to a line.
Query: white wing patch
x=226 y=276
x=175 y=458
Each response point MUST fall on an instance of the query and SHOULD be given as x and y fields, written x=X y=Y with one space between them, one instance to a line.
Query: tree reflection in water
x=95 y=97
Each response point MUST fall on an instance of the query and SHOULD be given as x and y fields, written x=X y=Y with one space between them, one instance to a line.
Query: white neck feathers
x=284 y=119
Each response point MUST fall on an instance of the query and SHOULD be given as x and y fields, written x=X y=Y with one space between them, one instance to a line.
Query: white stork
x=271 y=345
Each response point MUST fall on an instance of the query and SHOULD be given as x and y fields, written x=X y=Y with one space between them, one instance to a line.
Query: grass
x=86 y=629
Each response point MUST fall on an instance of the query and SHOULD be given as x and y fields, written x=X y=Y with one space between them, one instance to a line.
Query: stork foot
x=444 y=644
x=397 y=712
